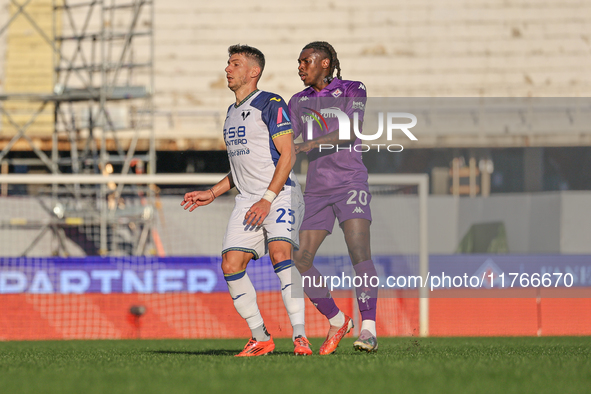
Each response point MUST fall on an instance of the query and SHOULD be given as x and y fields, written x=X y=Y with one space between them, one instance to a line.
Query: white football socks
x=245 y=301
x=337 y=320
x=369 y=325
x=292 y=293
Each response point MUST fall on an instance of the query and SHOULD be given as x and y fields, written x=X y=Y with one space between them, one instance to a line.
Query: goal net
x=118 y=257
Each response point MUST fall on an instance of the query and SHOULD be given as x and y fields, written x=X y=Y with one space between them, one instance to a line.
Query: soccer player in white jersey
x=269 y=206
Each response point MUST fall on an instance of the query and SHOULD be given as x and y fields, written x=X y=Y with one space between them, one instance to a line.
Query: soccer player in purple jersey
x=336 y=187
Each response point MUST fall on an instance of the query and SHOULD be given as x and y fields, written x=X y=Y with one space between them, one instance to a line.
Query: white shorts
x=282 y=224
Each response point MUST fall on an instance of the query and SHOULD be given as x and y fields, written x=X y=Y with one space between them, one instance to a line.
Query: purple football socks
x=367 y=295
x=319 y=295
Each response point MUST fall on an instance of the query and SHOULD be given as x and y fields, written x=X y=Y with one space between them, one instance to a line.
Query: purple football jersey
x=330 y=171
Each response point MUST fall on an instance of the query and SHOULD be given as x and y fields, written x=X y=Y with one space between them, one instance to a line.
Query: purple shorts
x=321 y=211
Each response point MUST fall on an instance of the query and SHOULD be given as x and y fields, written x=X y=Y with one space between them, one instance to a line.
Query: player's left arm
x=200 y=198
x=331 y=138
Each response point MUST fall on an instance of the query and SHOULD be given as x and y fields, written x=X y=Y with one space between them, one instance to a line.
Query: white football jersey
x=249 y=131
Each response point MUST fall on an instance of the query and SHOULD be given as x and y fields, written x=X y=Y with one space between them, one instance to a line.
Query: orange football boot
x=257 y=348
x=301 y=346
x=334 y=337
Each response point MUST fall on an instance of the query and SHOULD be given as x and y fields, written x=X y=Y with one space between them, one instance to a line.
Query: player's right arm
x=331 y=138
x=200 y=198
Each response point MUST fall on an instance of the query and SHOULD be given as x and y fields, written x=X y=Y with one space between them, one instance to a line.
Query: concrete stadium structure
x=450 y=48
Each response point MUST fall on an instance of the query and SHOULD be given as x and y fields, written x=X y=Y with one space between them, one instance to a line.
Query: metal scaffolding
x=102 y=106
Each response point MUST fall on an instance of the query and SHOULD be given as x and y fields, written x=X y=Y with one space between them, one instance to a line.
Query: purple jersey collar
x=326 y=91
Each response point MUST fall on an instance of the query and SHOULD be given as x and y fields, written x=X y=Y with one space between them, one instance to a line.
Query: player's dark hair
x=249 y=52
x=327 y=50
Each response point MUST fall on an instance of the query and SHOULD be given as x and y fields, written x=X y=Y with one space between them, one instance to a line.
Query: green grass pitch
x=402 y=365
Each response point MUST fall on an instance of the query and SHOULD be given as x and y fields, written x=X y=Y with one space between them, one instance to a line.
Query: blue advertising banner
x=58 y=275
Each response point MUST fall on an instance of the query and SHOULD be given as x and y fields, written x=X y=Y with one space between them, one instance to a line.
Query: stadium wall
x=98 y=316
x=398 y=49
x=550 y=222
x=403 y=49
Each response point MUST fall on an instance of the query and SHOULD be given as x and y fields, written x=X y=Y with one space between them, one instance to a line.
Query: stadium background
x=539 y=191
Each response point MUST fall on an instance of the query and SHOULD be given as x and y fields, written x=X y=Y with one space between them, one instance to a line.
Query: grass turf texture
x=431 y=365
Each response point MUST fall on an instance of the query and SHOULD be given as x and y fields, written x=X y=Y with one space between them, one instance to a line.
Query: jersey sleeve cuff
x=290 y=131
